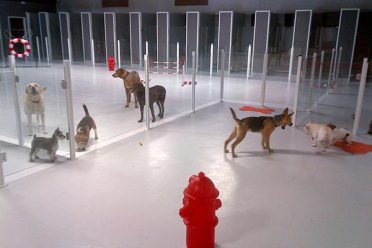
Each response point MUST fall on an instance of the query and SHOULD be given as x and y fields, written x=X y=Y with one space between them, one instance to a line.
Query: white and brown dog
x=325 y=135
x=33 y=104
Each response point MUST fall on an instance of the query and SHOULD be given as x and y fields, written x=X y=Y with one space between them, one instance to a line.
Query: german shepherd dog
x=261 y=124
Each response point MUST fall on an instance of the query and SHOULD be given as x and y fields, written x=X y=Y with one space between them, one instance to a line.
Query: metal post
x=211 y=61
x=70 y=110
x=321 y=68
x=290 y=65
x=2 y=180
x=17 y=109
x=147 y=91
x=359 y=105
x=38 y=48
x=119 y=55
x=264 y=75
x=178 y=58
x=193 y=80
x=147 y=48
x=330 y=68
x=334 y=67
x=249 y=60
x=93 y=57
x=69 y=50
x=47 y=49
x=222 y=74
x=297 y=91
x=338 y=64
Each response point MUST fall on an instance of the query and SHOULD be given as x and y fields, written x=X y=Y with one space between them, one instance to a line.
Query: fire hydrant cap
x=201 y=188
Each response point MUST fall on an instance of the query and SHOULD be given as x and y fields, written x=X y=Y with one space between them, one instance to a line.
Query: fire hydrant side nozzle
x=199 y=211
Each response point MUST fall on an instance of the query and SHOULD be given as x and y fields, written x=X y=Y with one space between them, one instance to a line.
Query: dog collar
x=36 y=101
x=126 y=75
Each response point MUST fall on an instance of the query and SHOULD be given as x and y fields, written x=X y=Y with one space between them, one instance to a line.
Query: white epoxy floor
x=104 y=96
x=127 y=195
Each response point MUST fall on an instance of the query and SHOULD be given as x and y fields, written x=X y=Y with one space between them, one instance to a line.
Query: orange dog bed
x=354 y=147
x=256 y=109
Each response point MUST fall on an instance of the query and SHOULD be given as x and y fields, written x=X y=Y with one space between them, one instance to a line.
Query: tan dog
x=262 y=124
x=33 y=103
x=83 y=130
x=129 y=77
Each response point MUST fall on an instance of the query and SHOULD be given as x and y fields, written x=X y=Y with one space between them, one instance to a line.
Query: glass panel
x=8 y=126
x=225 y=33
x=110 y=36
x=365 y=125
x=64 y=34
x=86 y=35
x=123 y=35
x=55 y=37
x=208 y=34
x=149 y=35
x=55 y=117
x=77 y=39
x=98 y=27
x=163 y=38
x=260 y=40
x=177 y=33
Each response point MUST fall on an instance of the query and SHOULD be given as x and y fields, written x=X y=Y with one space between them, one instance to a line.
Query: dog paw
x=126 y=106
x=234 y=155
x=136 y=106
x=140 y=121
x=270 y=150
x=153 y=120
x=226 y=151
x=313 y=145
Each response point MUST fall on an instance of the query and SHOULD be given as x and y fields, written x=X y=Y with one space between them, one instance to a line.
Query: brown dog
x=263 y=124
x=157 y=94
x=131 y=77
x=83 y=130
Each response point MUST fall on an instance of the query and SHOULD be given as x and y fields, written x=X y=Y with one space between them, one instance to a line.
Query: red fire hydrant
x=199 y=211
x=111 y=63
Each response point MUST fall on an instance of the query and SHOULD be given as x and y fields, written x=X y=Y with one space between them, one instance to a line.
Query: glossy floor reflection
x=128 y=195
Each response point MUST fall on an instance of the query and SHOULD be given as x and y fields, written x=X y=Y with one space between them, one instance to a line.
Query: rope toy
x=25 y=44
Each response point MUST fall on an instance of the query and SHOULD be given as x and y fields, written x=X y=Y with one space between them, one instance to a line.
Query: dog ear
x=285 y=111
x=291 y=114
x=331 y=126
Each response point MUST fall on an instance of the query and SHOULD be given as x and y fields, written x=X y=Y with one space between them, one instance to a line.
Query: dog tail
x=234 y=115
x=85 y=110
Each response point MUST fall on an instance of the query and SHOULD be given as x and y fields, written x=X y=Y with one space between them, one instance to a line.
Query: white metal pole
x=338 y=64
x=178 y=58
x=17 y=109
x=193 y=80
x=69 y=48
x=211 y=61
x=330 y=69
x=290 y=65
x=38 y=48
x=119 y=55
x=147 y=47
x=334 y=66
x=264 y=75
x=70 y=109
x=359 y=105
x=222 y=74
x=47 y=49
x=312 y=74
x=147 y=91
x=297 y=91
x=249 y=60
x=321 y=68
x=93 y=57
x=2 y=180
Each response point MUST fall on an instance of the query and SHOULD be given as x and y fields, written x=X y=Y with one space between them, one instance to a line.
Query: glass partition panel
x=208 y=34
x=321 y=103
x=64 y=20
x=365 y=125
x=260 y=40
x=123 y=35
x=8 y=125
x=137 y=34
x=162 y=29
x=86 y=28
x=77 y=39
x=177 y=33
x=224 y=36
x=149 y=33
x=55 y=37
x=110 y=35
x=98 y=27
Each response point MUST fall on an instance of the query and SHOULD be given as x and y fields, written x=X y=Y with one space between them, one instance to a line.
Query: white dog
x=341 y=134
x=321 y=135
x=33 y=103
